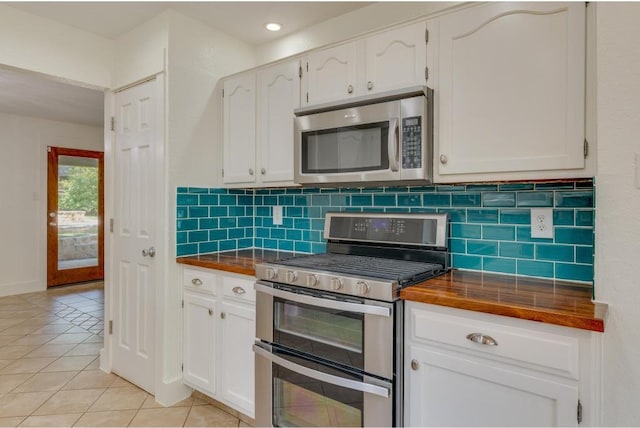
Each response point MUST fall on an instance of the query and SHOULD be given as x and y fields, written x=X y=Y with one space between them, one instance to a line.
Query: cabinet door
x=278 y=96
x=451 y=389
x=238 y=336
x=199 y=342
x=395 y=59
x=510 y=89
x=331 y=74
x=239 y=129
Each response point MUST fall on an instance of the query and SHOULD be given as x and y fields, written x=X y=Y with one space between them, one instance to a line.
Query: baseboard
x=170 y=393
x=21 y=288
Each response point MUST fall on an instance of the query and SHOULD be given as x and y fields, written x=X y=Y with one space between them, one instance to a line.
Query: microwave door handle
x=324 y=303
x=393 y=143
x=322 y=377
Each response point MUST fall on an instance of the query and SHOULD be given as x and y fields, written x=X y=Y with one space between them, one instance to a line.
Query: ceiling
x=30 y=94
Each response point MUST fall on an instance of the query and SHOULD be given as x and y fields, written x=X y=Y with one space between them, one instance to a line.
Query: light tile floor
x=49 y=369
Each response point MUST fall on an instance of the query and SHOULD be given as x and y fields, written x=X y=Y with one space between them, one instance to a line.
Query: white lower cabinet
x=219 y=331
x=517 y=373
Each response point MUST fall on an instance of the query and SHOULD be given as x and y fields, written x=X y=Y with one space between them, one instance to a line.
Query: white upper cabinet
x=258 y=126
x=510 y=91
x=330 y=74
x=278 y=96
x=394 y=59
x=239 y=129
x=385 y=61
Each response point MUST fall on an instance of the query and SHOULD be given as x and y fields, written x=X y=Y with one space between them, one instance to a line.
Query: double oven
x=329 y=326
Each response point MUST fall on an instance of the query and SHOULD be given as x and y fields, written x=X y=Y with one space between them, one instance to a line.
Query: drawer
x=239 y=288
x=199 y=280
x=552 y=352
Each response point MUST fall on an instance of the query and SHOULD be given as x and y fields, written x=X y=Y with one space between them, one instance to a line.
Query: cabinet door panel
x=453 y=390
x=395 y=59
x=238 y=336
x=511 y=88
x=330 y=74
x=199 y=342
x=278 y=96
x=239 y=129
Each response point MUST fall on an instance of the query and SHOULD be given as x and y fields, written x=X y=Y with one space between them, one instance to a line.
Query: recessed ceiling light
x=272 y=26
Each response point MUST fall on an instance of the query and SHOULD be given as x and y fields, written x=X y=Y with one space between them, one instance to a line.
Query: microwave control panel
x=411 y=142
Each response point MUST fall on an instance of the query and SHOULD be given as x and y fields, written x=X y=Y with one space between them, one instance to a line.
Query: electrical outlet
x=542 y=223
x=277 y=215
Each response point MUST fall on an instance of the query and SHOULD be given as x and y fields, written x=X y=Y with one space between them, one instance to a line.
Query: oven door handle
x=324 y=303
x=322 y=377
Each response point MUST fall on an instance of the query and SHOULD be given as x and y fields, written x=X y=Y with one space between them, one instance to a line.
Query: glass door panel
x=331 y=334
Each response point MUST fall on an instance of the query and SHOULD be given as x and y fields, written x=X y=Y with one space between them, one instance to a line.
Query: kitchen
x=188 y=133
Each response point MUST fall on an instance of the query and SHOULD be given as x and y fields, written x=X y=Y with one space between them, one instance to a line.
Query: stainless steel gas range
x=329 y=326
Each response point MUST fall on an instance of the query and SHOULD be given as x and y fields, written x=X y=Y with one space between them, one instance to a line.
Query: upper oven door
x=348 y=145
x=350 y=331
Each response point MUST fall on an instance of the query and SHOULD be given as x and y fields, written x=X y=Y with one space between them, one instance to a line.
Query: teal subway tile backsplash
x=489 y=222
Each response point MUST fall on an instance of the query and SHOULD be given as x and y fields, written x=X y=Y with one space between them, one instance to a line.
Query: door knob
x=151 y=252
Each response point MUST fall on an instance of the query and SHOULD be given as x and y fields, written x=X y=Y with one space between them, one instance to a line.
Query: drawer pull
x=482 y=339
x=210 y=312
x=238 y=290
x=196 y=281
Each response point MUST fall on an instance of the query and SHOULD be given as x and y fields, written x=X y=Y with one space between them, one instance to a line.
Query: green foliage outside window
x=79 y=192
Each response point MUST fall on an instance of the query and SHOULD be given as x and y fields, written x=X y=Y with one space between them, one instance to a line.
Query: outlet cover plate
x=542 y=223
x=277 y=215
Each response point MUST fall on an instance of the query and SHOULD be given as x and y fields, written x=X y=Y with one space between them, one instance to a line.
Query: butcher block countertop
x=237 y=261
x=553 y=302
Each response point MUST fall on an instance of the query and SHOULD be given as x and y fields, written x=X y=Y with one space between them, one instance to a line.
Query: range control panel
x=412 y=142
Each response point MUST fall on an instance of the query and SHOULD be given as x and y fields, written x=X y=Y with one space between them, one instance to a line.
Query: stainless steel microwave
x=386 y=140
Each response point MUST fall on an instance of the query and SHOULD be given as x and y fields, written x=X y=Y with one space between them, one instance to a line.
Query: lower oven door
x=293 y=390
x=351 y=331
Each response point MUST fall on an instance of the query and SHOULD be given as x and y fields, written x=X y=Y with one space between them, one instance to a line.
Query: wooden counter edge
x=209 y=264
x=522 y=312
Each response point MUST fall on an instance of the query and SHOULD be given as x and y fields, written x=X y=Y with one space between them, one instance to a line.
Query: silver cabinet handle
x=263 y=171
x=414 y=365
x=238 y=290
x=324 y=303
x=223 y=315
x=196 y=281
x=52 y=223
x=250 y=171
x=482 y=339
x=322 y=377
x=210 y=312
x=151 y=252
x=443 y=159
x=369 y=85
x=350 y=89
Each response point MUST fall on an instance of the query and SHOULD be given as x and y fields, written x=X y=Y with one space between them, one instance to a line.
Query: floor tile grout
x=31 y=318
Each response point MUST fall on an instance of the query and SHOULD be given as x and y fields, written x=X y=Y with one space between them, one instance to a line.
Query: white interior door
x=135 y=234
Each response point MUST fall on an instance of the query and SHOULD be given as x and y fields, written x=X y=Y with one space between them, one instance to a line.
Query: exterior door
x=75 y=211
x=137 y=155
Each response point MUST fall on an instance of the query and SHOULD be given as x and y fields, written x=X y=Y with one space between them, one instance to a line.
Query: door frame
x=70 y=276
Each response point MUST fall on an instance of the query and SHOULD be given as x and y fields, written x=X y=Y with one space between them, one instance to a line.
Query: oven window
x=302 y=401
x=347 y=149
x=327 y=333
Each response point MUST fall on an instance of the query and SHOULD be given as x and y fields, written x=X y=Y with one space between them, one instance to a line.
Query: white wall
x=141 y=52
x=23 y=174
x=617 y=264
x=38 y=44
x=357 y=22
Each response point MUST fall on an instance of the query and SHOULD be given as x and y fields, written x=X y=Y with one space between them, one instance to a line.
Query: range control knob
x=292 y=276
x=271 y=273
x=362 y=287
x=336 y=284
x=312 y=280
